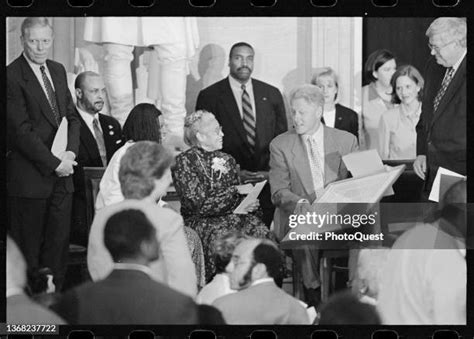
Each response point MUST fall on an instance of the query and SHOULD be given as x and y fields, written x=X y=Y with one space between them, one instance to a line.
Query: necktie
x=248 y=119
x=99 y=137
x=51 y=95
x=444 y=86
x=316 y=170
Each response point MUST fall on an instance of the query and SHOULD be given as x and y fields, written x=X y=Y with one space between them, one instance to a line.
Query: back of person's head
x=125 y=235
x=376 y=60
x=16 y=266
x=454 y=208
x=345 y=308
x=223 y=248
x=142 y=164
x=143 y=124
x=268 y=254
x=370 y=268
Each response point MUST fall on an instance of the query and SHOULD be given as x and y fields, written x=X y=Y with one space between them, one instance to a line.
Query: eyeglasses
x=437 y=49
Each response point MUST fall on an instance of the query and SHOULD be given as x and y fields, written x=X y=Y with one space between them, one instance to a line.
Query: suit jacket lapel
x=109 y=139
x=338 y=119
x=34 y=88
x=231 y=106
x=301 y=163
x=453 y=88
x=260 y=116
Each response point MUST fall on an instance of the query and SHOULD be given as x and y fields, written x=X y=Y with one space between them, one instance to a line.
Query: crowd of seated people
x=205 y=264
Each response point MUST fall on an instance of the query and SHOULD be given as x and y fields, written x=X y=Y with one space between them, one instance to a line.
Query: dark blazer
x=89 y=152
x=270 y=121
x=31 y=128
x=346 y=120
x=441 y=134
x=126 y=297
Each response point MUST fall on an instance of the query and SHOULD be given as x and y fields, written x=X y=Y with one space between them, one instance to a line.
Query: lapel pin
x=111 y=132
x=110 y=127
x=264 y=98
x=118 y=141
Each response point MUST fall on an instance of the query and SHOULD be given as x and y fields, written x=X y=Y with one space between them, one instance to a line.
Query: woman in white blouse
x=397 y=129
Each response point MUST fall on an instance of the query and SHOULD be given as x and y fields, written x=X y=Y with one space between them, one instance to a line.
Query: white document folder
x=60 y=139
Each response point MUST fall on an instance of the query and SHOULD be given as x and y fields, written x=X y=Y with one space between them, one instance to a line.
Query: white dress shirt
x=330 y=117
x=237 y=91
x=89 y=120
x=36 y=70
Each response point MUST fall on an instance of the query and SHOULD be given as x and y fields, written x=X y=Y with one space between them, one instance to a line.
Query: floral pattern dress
x=205 y=183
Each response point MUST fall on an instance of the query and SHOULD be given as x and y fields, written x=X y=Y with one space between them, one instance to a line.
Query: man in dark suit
x=251 y=114
x=39 y=183
x=129 y=295
x=441 y=131
x=101 y=136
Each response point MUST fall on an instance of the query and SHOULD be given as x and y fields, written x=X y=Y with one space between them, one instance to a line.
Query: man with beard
x=100 y=138
x=255 y=266
x=251 y=114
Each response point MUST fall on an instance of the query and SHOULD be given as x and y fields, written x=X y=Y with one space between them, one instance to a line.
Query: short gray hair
x=142 y=163
x=311 y=93
x=34 y=21
x=456 y=28
x=192 y=125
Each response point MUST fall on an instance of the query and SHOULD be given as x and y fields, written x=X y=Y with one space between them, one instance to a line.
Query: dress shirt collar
x=134 y=267
x=458 y=63
x=262 y=281
x=88 y=118
x=238 y=86
x=33 y=65
x=317 y=136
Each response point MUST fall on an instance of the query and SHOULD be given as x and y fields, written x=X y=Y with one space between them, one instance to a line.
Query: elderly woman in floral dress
x=206 y=181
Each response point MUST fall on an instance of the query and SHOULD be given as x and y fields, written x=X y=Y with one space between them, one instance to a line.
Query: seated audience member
x=397 y=129
x=129 y=294
x=20 y=308
x=142 y=124
x=425 y=278
x=376 y=96
x=220 y=285
x=206 y=182
x=345 y=308
x=335 y=115
x=144 y=178
x=370 y=267
x=254 y=265
x=302 y=163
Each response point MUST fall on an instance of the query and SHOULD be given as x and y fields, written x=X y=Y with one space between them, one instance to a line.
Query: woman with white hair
x=206 y=181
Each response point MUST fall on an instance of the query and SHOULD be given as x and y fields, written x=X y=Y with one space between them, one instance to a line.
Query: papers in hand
x=435 y=189
x=245 y=189
x=60 y=139
x=250 y=198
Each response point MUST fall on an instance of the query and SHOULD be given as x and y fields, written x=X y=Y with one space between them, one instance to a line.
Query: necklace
x=210 y=177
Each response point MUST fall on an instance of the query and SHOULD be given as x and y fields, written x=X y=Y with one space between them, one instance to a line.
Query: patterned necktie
x=51 y=95
x=99 y=137
x=316 y=172
x=444 y=86
x=248 y=119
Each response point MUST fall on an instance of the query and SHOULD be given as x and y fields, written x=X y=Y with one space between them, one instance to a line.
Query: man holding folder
x=39 y=183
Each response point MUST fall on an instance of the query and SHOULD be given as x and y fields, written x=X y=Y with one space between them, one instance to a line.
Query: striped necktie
x=99 y=137
x=444 y=86
x=248 y=119
x=50 y=94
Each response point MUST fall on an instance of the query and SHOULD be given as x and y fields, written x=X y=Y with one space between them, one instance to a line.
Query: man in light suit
x=128 y=295
x=39 y=183
x=441 y=131
x=253 y=269
x=251 y=114
x=302 y=163
x=101 y=136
